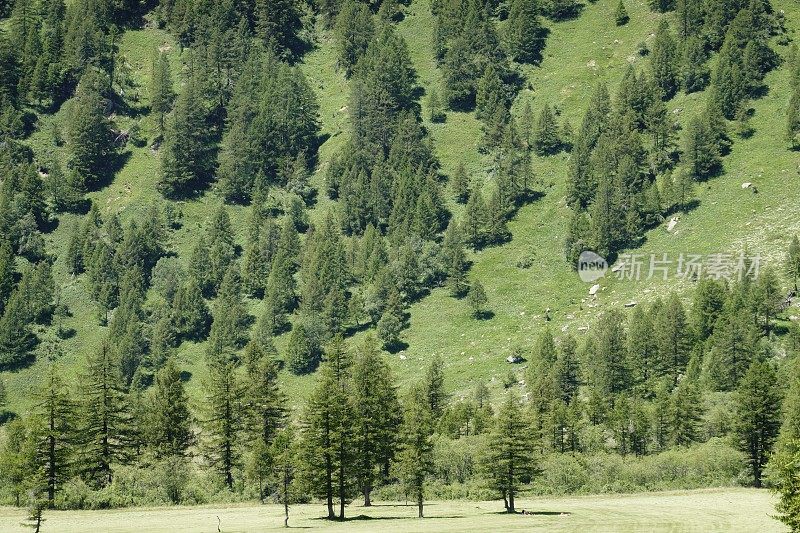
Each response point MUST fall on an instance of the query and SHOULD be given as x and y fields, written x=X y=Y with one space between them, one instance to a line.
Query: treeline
x=627 y=171
x=665 y=377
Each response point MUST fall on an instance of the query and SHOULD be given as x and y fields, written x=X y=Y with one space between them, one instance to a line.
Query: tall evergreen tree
x=106 y=421
x=169 y=428
x=88 y=134
x=224 y=421
x=757 y=420
x=162 y=93
x=508 y=462
x=329 y=431
x=524 y=36
x=664 y=61
x=414 y=463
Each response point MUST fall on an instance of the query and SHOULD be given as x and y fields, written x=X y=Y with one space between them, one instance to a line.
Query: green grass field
x=745 y=510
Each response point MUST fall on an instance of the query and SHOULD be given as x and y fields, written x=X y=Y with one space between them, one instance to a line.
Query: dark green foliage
x=436 y=111
x=477 y=299
x=377 y=414
x=229 y=328
x=89 y=141
x=757 y=420
x=433 y=387
x=187 y=157
x=621 y=14
x=162 y=93
x=694 y=73
x=191 y=314
x=546 y=134
x=414 y=461
x=664 y=62
x=329 y=431
x=278 y=24
x=52 y=432
x=460 y=184
x=266 y=133
x=701 y=153
x=302 y=352
x=223 y=421
x=169 y=425
x=354 y=30
x=558 y=10
x=106 y=422
x=524 y=35
x=508 y=461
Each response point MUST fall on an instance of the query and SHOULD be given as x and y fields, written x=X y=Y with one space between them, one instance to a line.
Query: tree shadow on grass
x=523 y=512
x=366 y=518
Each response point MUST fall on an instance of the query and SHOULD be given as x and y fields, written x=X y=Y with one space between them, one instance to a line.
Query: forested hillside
x=288 y=250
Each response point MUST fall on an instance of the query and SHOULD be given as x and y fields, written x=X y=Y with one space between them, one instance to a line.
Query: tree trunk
x=329 y=486
x=511 y=501
x=367 y=501
x=419 y=504
x=286 y=499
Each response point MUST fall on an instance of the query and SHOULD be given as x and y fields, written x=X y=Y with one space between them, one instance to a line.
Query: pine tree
x=455 y=260
x=477 y=299
x=664 y=61
x=105 y=430
x=757 y=419
x=545 y=137
x=88 y=134
x=701 y=153
x=329 y=431
x=284 y=460
x=509 y=462
x=490 y=98
x=191 y=314
x=685 y=413
x=16 y=338
x=377 y=416
x=162 y=93
x=433 y=387
x=224 y=420
x=621 y=14
x=265 y=402
x=187 y=158
x=302 y=353
x=169 y=428
x=414 y=462
x=278 y=25
x=694 y=73
x=673 y=340
x=52 y=433
x=523 y=33
x=229 y=328
x=354 y=30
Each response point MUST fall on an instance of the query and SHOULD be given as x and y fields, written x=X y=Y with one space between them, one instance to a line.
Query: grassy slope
x=578 y=54
x=707 y=510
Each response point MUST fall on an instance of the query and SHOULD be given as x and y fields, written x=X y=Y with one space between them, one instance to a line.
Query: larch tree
x=415 y=461
x=106 y=425
x=169 y=429
x=377 y=416
x=757 y=420
x=162 y=93
x=508 y=462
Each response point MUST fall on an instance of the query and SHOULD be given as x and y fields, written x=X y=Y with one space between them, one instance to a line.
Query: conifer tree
x=701 y=154
x=278 y=25
x=621 y=14
x=302 y=353
x=284 y=466
x=460 y=184
x=52 y=433
x=757 y=419
x=354 y=30
x=88 y=134
x=685 y=413
x=229 y=328
x=377 y=416
x=545 y=135
x=436 y=112
x=490 y=98
x=477 y=299
x=509 y=462
x=224 y=420
x=162 y=93
x=169 y=428
x=264 y=403
x=191 y=314
x=106 y=422
x=16 y=338
x=187 y=158
x=792 y=261
x=329 y=431
x=523 y=33
x=694 y=73
x=664 y=61
x=433 y=387
x=414 y=463
x=673 y=338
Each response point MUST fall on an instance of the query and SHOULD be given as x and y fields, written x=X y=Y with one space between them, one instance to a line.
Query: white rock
x=746 y=185
x=672 y=223
x=402 y=357
x=593 y=290
x=630 y=304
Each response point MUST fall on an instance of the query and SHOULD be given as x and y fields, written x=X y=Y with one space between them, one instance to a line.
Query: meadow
x=708 y=510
